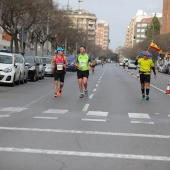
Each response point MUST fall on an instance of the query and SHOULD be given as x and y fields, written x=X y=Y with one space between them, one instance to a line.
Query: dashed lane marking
x=13 y=109
x=94 y=89
x=94 y=120
x=97 y=113
x=56 y=111
x=137 y=122
x=2 y=116
x=40 y=117
x=86 y=107
x=91 y=96
x=139 y=115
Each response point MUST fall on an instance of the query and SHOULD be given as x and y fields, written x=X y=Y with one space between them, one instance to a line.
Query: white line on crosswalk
x=94 y=120
x=87 y=132
x=2 y=116
x=85 y=154
x=97 y=113
x=139 y=115
x=57 y=111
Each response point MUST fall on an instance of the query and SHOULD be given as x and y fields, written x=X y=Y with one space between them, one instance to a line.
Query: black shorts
x=58 y=77
x=145 y=78
x=81 y=74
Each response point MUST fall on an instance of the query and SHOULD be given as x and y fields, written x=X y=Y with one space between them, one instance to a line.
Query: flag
x=154 y=46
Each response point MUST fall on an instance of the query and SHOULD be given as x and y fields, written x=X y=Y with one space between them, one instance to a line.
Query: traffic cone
x=168 y=89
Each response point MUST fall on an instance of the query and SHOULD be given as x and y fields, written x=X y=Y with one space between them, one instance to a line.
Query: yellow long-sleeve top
x=145 y=65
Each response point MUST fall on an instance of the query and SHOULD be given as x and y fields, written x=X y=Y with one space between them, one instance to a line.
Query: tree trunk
x=16 y=43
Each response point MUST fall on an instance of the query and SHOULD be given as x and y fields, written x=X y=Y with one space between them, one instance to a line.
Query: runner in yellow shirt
x=146 y=64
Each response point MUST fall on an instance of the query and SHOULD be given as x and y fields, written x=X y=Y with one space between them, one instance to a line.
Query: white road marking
x=169 y=115
x=94 y=120
x=87 y=132
x=40 y=117
x=97 y=85
x=2 y=116
x=91 y=96
x=139 y=115
x=138 y=122
x=85 y=154
x=157 y=113
x=94 y=89
x=56 y=111
x=86 y=107
x=13 y=109
x=97 y=113
x=98 y=82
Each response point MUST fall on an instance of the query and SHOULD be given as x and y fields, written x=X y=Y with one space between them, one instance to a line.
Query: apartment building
x=86 y=21
x=166 y=17
x=102 y=34
x=136 y=30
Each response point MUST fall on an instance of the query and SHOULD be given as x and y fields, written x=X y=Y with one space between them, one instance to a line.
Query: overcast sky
x=117 y=12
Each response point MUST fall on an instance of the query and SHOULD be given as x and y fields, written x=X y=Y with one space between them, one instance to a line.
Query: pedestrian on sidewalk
x=146 y=64
x=83 y=63
x=59 y=64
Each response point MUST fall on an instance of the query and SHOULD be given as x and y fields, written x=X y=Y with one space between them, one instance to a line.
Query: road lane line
x=40 y=117
x=87 y=132
x=86 y=107
x=91 y=96
x=139 y=115
x=85 y=154
x=138 y=122
x=94 y=89
x=94 y=120
x=97 y=85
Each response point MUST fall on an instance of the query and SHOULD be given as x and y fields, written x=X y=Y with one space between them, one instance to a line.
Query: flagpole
x=149 y=45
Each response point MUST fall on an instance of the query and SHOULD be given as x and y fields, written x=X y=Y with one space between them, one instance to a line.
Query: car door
x=17 y=68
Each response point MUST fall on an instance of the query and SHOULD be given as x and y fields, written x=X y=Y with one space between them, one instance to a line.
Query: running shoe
x=143 y=97
x=81 y=95
x=60 y=92
x=85 y=93
x=147 y=98
x=55 y=95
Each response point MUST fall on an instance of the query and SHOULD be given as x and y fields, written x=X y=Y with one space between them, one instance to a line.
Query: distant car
x=71 y=60
x=160 y=67
x=48 y=68
x=131 y=65
x=166 y=68
x=33 y=67
x=41 y=67
x=23 y=68
x=120 y=64
x=9 y=69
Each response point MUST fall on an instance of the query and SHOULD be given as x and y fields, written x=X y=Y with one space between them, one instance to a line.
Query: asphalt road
x=112 y=129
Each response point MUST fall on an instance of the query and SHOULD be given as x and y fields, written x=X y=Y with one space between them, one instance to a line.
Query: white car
x=131 y=65
x=48 y=69
x=23 y=68
x=41 y=67
x=9 y=69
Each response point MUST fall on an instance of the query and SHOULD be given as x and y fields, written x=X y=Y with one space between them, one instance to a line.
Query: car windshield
x=19 y=59
x=29 y=59
x=46 y=60
x=5 y=59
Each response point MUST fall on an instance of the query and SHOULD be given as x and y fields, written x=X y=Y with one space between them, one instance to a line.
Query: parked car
x=160 y=68
x=48 y=68
x=166 y=68
x=41 y=67
x=120 y=64
x=131 y=65
x=23 y=68
x=33 y=67
x=71 y=60
x=9 y=69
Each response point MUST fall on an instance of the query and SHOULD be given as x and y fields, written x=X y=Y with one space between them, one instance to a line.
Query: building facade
x=86 y=21
x=136 y=30
x=102 y=34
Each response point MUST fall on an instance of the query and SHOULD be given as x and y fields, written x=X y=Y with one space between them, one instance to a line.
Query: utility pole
x=79 y=1
x=68 y=5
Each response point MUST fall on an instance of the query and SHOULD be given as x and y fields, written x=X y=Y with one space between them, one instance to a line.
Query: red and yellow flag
x=154 y=46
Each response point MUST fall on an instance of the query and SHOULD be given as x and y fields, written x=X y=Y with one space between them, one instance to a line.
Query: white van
x=9 y=69
x=131 y=65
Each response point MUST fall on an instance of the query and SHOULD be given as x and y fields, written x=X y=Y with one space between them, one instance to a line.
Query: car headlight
x=32 y=68
x=8 y=69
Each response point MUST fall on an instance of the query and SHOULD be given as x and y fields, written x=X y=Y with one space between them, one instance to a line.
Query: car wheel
x=18 y=82
x=13 y=82
x=37 y=77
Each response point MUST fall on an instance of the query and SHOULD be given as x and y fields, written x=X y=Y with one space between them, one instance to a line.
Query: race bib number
x=82 y=63
x=59 y=67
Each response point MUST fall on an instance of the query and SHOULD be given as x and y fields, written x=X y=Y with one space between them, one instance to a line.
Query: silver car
x=23 y=68
x=41 y=67
x=48 y=69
